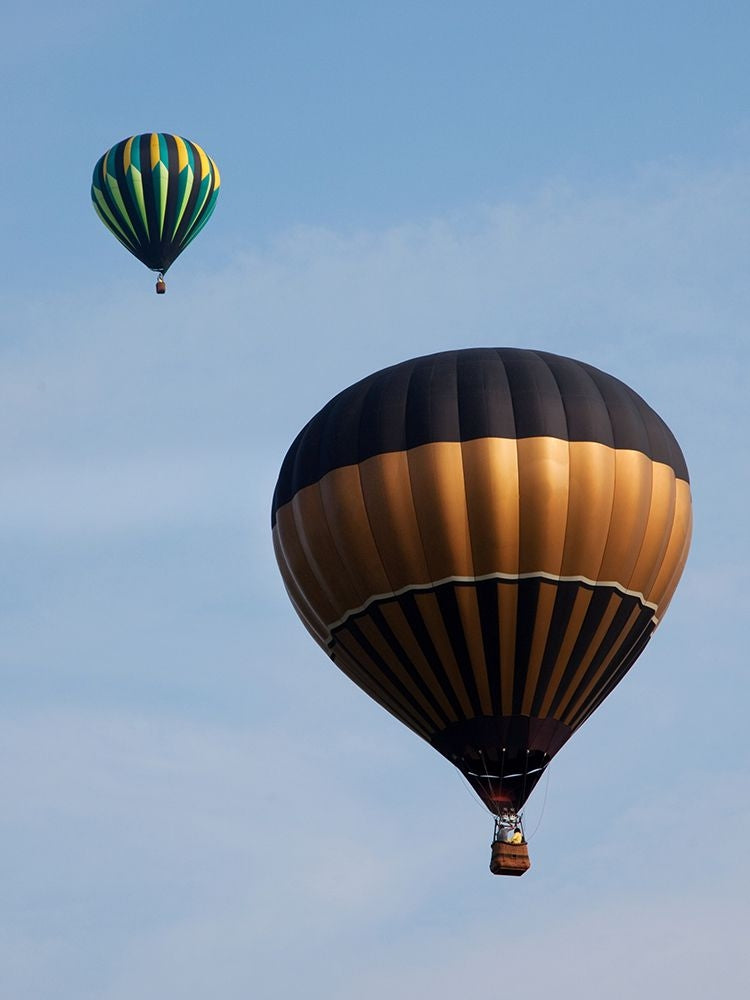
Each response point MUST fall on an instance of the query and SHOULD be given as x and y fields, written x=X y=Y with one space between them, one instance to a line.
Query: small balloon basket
x=161 y=285
x=509 y=859
x=510 y=852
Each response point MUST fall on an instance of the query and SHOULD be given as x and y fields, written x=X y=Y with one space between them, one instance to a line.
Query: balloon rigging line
x=525 y=773
x=469 y=790
x=544 y=803
x=487 y=775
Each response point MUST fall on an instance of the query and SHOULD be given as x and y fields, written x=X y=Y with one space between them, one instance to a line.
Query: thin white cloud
x=649 y=285
x=209 y=855
x=255 y=859
x=146 y=493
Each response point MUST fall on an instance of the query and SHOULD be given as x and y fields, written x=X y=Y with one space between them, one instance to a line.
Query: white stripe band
x=509 y=577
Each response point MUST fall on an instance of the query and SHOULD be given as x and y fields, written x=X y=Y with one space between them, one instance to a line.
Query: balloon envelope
x=484 y=541
x=155 y=192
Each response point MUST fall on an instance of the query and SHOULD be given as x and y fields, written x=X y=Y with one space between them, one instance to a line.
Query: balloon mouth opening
x=502 y=758
x=500 y=793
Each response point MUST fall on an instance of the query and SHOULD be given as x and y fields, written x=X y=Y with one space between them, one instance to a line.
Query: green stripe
x=187 y=179
x=109 y=220
x=160 y=181
x=199 y=203
x=134 y=180
x=202 y=221
x=114 y=190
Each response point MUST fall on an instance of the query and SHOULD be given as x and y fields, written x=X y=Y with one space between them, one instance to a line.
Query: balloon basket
x=509 y=859
x=161 y=286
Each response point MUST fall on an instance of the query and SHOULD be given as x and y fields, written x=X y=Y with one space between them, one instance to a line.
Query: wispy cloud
x=206 y=855
x=226 y=811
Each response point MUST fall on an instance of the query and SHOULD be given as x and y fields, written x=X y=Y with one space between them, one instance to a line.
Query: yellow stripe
x=544 y=608
x=204 y=162
x=468 y=609
x=396 y=620
x=432 y=616
x=154 y=150
x=507 y=600
x=182 y=153
x=616 y=650
x=374 y=636
x=572 y=631
x=562 y=714
x=126 y=156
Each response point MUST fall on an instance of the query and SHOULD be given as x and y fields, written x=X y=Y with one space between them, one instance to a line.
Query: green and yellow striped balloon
x=155 y=192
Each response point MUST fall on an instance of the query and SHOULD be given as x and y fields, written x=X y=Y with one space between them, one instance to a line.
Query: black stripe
x=451 y=614
x=381 y=624
x=374 y=656
x=581 y=399
x=484 y=395
x=363 y=678
x=634 y=643
x=473 y=394
x=489 y=620
x=173 y=181
x=629 y=423
x=528 y=597
x=432 y=403
x=411 y=611
x=537 y=406
x=561 y=611
x=591 y=622
x=613 y=635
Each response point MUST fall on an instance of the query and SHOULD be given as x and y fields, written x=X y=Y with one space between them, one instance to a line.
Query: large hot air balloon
x=155 y=192
x=484 y=540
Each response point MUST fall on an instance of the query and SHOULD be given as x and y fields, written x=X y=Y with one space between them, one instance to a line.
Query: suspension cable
x=544 y=803
x=525 y=773
x=487 y=776
x=465 y=783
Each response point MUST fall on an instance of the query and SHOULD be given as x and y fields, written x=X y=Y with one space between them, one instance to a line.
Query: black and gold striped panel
x=484 y=541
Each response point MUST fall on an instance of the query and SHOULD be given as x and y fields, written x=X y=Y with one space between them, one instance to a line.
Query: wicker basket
x=509 y=859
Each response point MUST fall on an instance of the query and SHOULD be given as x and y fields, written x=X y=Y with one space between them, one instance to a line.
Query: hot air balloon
x=155 y=192
x=484 y=541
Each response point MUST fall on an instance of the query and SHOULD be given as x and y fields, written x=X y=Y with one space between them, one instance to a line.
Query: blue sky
x=195 y=802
